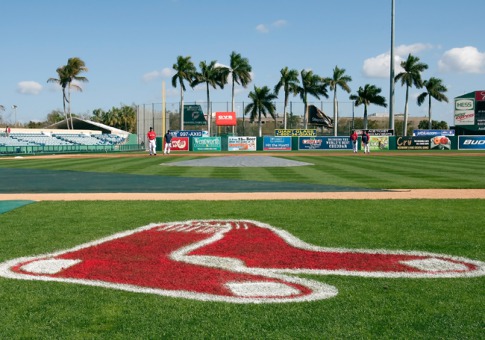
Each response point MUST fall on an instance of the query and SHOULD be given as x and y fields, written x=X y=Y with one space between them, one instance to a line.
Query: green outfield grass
x=364 y=308
x=412 y=170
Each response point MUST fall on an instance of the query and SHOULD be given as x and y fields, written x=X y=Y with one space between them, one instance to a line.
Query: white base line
x=246 y=196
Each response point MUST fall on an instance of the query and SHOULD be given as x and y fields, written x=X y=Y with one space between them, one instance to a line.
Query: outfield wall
x=269 y=144
x=322 y=143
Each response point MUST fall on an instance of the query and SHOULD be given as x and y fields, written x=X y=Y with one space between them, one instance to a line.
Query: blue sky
x=130 y=47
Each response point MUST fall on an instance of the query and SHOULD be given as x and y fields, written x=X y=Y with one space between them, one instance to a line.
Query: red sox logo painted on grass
x=233 y=261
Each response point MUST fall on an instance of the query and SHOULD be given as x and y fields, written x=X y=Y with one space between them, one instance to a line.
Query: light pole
x=14 y=107
x=391 y=72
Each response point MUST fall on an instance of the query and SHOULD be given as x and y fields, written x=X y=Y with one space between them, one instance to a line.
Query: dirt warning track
x=245 y=196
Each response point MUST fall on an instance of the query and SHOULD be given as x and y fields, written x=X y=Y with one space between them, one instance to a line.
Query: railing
x=49 y=149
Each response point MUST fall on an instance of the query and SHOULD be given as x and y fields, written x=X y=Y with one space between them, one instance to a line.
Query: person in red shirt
x=152 y=143
x=353 y=138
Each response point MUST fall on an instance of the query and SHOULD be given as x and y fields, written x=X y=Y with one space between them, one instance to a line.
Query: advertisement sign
x=318 y=117
x=377 y=132
x=206 y=143
x=295 y=132
x=423 y=143
x=188 y=133
x=432 y=133
x=480 y=114
x=226 y=118
x=465 y=117
x=378 y=143
x=480 y=96
x=271 y=143
x=180 y=144
x=324 y=143
x=471 y=142
x=193 y=115
x=241 y=144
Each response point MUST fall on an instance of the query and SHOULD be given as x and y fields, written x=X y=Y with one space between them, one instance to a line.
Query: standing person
x=7 y=131
x=152 y=142
x=365 y=141
x=353 y=138
x=168 y=142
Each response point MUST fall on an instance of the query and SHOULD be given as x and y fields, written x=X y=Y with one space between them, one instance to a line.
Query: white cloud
x=262 y=28
x=29 y=87
x=279 y=23
x=379 y=66
x=164 y=73
x=404 y=50
x=464 y=60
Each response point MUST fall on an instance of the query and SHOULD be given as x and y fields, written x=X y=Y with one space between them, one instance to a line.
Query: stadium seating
x=40 y=139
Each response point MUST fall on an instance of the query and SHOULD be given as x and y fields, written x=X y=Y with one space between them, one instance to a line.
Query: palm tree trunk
x=335 y=112
x=209 y=114
x=305 y=118
x=64 y=106
x=232 y=105
x=260 y=125
x=405 y=122
x=69 y=106
x=365 y=116
x=181 y=108
x=430 y=126
x=284 y=111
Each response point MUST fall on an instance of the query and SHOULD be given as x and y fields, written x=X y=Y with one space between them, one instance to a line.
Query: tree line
x=302 y=83
x=292 y=82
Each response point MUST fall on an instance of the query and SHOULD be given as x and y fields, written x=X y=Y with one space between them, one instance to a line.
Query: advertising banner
x=271 y=143
x=471 y=142
x=377 y=132
x=226 y=118
x=324 y=143
x=432 y=133
x=378 y=143
x=206 y=143
x=188 y=133
x=295 y=132
x=423 y=143
x=241 y=144
x=193 y=115
x=465 y=117
x=180 y=144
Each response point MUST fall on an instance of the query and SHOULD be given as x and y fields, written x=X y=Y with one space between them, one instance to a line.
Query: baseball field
x=126 y=246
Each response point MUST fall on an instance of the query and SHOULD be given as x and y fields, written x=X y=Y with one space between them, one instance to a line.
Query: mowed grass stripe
x=361 y=171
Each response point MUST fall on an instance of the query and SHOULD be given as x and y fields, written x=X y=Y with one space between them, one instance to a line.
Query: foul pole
x=163 y=108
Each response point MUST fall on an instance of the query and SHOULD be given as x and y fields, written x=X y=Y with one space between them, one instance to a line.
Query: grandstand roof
x=84 y=124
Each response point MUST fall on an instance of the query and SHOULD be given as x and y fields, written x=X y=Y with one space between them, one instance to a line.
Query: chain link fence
x=150 y=115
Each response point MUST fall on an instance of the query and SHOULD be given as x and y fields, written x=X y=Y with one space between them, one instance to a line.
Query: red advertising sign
x=480 y=95
x=225 y=118
x=180 y=144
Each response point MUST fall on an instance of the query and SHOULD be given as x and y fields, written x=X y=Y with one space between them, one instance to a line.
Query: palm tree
x=434 y=89
x=313 y=85
x=339 y=79
x=185 y=70
x=368 y=95
x=409 y=77
x=74 y=67
x=289 y=82
x=212 y=75
x=262 y=103
x=62 y=81
x=241 y=72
